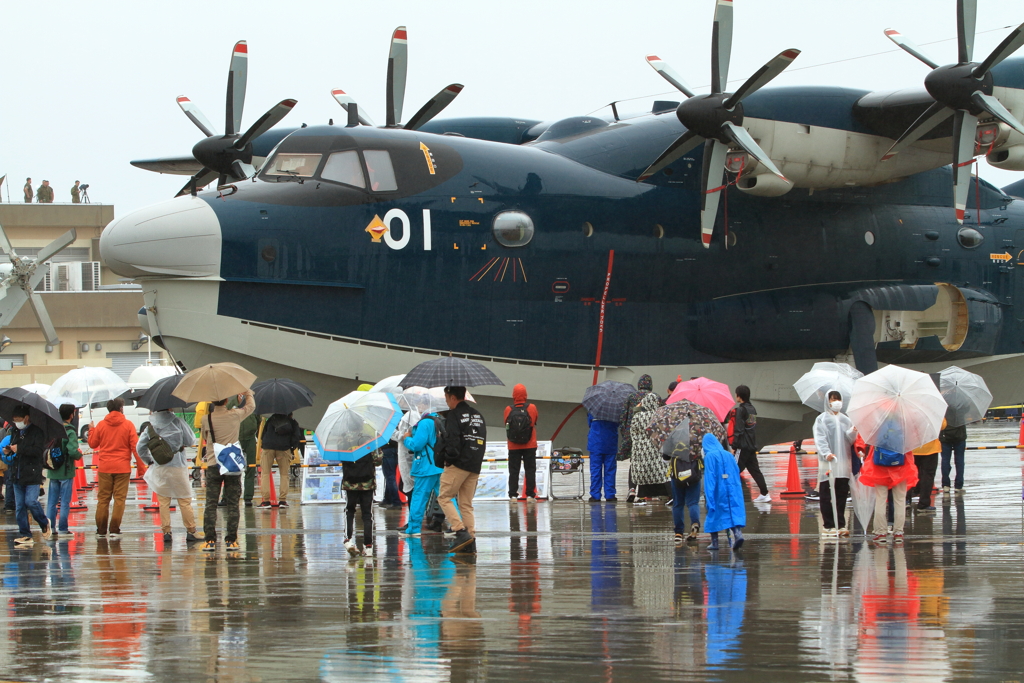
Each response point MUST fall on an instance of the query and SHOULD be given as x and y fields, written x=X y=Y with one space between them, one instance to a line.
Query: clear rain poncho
x=834 y=434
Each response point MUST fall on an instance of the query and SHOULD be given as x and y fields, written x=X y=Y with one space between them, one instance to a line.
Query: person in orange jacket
x=113 y=442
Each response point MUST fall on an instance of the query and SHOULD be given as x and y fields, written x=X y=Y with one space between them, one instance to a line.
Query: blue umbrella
x=604 y=401
x=352 y=428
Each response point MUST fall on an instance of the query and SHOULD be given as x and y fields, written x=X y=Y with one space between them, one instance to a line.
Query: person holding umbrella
x=834 y=435
x=280 y=436
x=221 y=426
x=462 y=451
x=24 y=456
x=604 y=404
x=169 y=479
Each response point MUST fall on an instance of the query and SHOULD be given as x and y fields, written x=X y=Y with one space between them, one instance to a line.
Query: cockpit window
x=382 y=173
x=296 y=165
x=344 y=167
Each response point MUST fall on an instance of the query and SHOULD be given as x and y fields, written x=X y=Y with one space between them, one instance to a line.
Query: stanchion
x=794 y=489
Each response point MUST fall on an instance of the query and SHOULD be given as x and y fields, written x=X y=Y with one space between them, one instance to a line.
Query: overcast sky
x=88 y=86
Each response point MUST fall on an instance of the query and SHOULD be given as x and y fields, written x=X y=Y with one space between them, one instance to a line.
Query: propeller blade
x=721 y=46
x=238 y=74
x=965 y=129
x=907 y=46
x=42 y=317
x=398 y=66
x=434 y=107
x=669 y=74
x=344 y=100
x=202 y=179
x=996 y=109
x=265 y=122
x=932 y=116
x=242 y=170
x=1006 y=48
x=55 y=246
x=711 y=187
x=683 y=144
x=966 y=19
x=195 y=116
x=762 y=77
x=172 y=165
x=740 y=136
x=6 y=245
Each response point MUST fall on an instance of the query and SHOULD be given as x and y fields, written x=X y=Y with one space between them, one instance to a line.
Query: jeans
x=602 y=469
x=26 y=499
x=60 y=490
x=685 y=496
x=9 y=490
x=527 y=457
x=956 y=450
x=748 y=461
x=112 y=486
x=389 y=465
x=232 y=492
x=420 y=497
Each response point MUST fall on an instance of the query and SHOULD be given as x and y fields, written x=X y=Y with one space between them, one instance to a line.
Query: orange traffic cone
x=793 y=487
x=77 y=505
x=273 y=491
x=1020 y=439
x=155 y=505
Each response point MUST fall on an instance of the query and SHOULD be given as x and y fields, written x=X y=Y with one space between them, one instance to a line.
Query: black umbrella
x=159 y=397
x=604 y=401
x=41 y=412
x=281 y=396
x=449 y=372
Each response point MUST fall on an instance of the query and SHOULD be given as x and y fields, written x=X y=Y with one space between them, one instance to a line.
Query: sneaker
x=448 y=533
x=844 y=532
x=265 y=505
x=631 y=496
x=594 y=500
x=282 y=503
x=829 y=532
x=765 y=498
x=232 y=546
x=737 y=538
x=813 y=495
x=48 y=532
x=613 y=499
x=512 y=498
x=897 y=537
x=167 y=538
x=209 y=546
x=193 y=536
x=694 y=530
x=880 y=538
x=367 y=551
x=889 y=528
x=222 y=503
x=461 y=540
x=960 y=492
x=99 y=535
x=403 y=527
x=679 y=539
x=24 y=540
x=412 y=534
x=945 y=489
x=114 y=537
x=350 y=546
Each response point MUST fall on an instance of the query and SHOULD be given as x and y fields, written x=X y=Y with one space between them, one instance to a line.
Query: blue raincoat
x=723 y=490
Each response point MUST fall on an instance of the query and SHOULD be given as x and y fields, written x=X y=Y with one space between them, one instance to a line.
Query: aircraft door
x=1018 y=277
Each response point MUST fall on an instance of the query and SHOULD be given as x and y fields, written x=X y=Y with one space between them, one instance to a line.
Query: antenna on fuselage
x=353 y=115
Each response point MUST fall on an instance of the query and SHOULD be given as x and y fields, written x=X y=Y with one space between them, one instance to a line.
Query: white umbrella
x=966 y=394
x=897 y=409
x=421 y=400
x=863 y=502
x=85 y=386
x=37 y=388
x=822 y=378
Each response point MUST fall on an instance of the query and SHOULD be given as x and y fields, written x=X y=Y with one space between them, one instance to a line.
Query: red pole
x=604 y=302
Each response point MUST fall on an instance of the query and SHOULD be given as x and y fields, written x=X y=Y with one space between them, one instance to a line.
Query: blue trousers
x=602 y=469
x=26 y=499
x=390 y=467
x=60 y=490
x=685 y=496
x=420 y=496
x=956 y=452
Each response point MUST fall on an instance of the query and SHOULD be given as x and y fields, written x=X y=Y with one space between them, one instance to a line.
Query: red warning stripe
x=241 y=48
x=400 y=34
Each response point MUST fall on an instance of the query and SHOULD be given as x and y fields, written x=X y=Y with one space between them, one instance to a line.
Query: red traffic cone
x=793 y=487
x=77 y=505
x=273 y=491
x=1020 y=439
x=155 y=505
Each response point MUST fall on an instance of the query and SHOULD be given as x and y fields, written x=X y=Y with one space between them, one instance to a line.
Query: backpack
x=439 y=434
x=361 y=470
x=519 y=426
x=284 y=429
x=885 y=458
x=158 y=447
x=55 y=457
x=676 y=450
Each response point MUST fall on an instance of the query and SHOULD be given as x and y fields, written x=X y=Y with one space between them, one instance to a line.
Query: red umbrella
x=715 y=396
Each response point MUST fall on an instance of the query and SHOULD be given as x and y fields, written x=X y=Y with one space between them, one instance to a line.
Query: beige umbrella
x=214 y=382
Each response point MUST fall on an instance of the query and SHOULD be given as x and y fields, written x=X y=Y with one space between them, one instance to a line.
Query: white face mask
x=836 y=405
x=20 y=425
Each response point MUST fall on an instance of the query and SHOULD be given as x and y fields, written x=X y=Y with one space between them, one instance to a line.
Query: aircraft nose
x=178 y=237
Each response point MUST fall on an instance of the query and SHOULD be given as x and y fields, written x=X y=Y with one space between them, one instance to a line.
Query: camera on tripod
x=84 y=189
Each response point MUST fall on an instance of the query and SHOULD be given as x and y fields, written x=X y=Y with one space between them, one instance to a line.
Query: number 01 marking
x=406 y=229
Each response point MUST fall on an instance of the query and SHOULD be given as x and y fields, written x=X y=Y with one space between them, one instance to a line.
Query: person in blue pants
x=602 y=443
x=420 y=441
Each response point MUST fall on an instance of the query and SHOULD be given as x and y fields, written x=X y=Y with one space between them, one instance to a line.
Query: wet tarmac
x=561 y=590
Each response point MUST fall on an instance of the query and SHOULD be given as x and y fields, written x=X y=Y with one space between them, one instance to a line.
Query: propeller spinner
x=963 y=91
x=398 y=66
x=230 y=155
x=716 y=119
x=21 y=279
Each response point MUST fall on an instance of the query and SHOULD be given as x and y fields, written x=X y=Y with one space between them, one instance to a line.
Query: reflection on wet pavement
x=565 y=590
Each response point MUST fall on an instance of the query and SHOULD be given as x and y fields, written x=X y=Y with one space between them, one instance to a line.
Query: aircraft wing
x=174 y=165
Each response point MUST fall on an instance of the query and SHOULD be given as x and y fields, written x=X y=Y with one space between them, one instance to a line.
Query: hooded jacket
x=26 y=466
x=518 y=399
x=644 y=387
x=834 y=434
x=272 y=441
x=421 y=446
x=174 y=431
x=113 y=442
x=723 y=490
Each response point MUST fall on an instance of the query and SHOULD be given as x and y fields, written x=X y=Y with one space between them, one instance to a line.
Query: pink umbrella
x=714 y=396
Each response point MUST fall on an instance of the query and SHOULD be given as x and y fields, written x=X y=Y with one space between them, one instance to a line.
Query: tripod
x=85 y=196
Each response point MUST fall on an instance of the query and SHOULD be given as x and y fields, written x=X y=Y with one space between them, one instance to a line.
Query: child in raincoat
x=723 y=494
x=834 y=435
x=884 y=478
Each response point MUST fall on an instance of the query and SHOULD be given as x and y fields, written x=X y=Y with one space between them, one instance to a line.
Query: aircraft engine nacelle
x=1009 y=159
x=764 y=185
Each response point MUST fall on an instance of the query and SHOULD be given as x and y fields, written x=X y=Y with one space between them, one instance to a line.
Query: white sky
x=87 y=86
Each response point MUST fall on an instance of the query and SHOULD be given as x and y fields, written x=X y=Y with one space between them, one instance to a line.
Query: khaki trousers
x=458 y=483
x=111 y=487
x=284 y=462
x=188 y=517
x=899 y=508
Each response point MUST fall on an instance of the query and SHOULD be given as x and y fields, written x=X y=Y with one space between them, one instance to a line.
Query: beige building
x=94 y=312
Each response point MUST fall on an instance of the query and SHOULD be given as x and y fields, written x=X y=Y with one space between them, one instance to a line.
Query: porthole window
x=869 y=238
x=730 y=240
x=513 y=228
x=969 y=238
x=588 y=229
x=659 y=231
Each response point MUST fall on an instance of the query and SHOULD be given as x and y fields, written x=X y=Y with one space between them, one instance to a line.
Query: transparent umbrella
x=863 y=502
x=966 y=394
x=87 y=386
x=348 y=431
x=897 y=409
x=822 y=378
